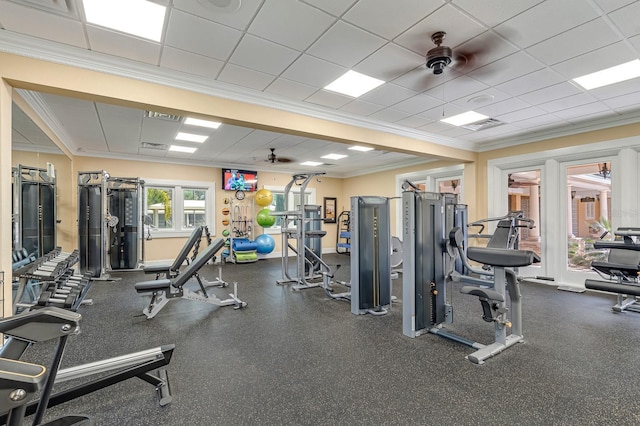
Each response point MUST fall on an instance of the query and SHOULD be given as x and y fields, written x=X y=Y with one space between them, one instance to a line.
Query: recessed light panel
x=178 y=148
x=616 y=74
x=464 y=118
x=202 y=123
x=360 y=148
x=334 y=156
x=190 y=137
x=354 y=84
x=310 y=163
x=137 y=17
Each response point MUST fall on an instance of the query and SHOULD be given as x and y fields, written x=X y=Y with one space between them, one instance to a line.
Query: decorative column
x=534 y=211
x=569 y=212
x=604 y=205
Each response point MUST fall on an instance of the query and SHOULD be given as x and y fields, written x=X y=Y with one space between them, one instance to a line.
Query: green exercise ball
x=225 y=233
x=264 y=219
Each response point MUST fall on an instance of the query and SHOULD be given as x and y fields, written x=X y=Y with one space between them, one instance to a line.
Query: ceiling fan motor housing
x=438 y=58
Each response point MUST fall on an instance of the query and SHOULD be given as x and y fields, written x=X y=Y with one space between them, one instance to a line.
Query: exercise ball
x=266 y=243
x=225 y=211
x=225 y=232
x=264 y=219
x=263 y=197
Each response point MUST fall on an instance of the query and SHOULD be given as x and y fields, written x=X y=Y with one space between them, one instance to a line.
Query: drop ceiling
x=283 y=52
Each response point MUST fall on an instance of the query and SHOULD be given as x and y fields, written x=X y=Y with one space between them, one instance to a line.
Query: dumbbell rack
x=51 y=281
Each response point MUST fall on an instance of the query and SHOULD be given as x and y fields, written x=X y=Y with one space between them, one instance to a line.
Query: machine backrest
x=624 y=257
x=502 y=236
x=206 y=255
x=186 y=249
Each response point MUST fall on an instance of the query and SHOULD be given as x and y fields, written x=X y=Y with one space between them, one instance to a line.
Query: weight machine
x=110 y=223
x=433 y=236
x=34 y=209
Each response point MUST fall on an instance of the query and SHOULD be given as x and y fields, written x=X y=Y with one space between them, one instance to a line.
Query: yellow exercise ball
x=263 y=197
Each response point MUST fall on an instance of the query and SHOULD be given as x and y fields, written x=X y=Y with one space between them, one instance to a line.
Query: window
x=278 y=204
x=175 y=208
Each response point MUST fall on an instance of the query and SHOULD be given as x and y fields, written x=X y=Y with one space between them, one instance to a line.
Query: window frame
x=178 y=187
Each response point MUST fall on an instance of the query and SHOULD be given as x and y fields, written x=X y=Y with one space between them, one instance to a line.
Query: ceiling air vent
x=162 y=116
x=158 y=146
x=484 y=124
x=60 y=7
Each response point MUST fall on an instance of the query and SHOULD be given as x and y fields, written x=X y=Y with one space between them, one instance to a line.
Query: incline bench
x=166 y=289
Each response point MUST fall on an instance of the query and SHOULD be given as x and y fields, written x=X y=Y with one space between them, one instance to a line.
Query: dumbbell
x=53 y=299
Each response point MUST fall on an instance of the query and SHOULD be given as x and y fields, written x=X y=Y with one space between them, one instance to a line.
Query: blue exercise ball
x=266 y=243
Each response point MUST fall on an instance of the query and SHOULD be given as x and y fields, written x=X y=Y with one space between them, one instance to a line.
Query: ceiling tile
x=558 y=16
x=417 y=104
x=345 y=45
x=313 y=71
x=542 y=121
x=122 y=45
x=523 y=114
x=156 y=130
x=484 y=49
x=503 y=107
x=617 y=89
x=414 y=121
x=567 y=102
x=290 y=23
x=507 y=68
x=191 y=63
x=481 y=98
x=121 y=127
x=458 y=26
x=493 y=12
x=421 y=78
x=596 y=60
x=385 y=18
x=239 y=19
x=442 y=111
x=388 y=94
x=581 y=111
x=197 y=35
x=550 y=93
x=290 y=89
x=635 y=41
x=389 y=114
x=530 y=82
x=575 y=42
x=263 y=55
x=329 y=99
x=334 y=7
x=611 y=5
x=43 y=25
x=626 y=19
x=624 y=101
x=226 y=136
x=389 y=62
x=457 y=88
x=245 y=77
x=361 y=107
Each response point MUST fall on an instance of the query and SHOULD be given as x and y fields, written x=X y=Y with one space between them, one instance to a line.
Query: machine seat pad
x=482 y=292
x=611 y=287
x=153 y=285
x=156 y=269
x=608 y=268
x=507 y=258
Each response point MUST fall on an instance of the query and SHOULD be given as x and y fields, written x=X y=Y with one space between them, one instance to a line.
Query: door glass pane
x=589 y=213
x=524 y=200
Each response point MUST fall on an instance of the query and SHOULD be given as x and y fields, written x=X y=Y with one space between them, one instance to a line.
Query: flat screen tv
x=233 y=179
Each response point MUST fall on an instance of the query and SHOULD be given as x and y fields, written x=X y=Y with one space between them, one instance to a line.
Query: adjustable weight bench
x=621 y=270
x=171 y=270
x=166 y=289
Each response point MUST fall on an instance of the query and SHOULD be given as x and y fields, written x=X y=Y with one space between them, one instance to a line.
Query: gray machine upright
x=370 y=255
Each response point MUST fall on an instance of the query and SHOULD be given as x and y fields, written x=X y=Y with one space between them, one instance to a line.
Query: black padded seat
x=155 y=269
x=616 y=269
x=611 y=287
x=502 y=257
x=153 y=285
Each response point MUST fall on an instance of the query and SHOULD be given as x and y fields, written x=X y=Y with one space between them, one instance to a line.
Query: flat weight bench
x=166 y=289
x=493 y=300
x=621 y=270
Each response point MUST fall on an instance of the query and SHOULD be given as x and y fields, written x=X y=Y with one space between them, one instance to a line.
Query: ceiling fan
x=441 y=57
x=273 y=158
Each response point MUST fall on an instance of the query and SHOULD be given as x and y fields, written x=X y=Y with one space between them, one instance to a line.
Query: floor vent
x=484 y=124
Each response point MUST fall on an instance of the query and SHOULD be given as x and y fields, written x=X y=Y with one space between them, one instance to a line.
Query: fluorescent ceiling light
x=190 y=137
x=360 y=148
x=137 y=17
x=354 y=84
x=178 y=148
x=310 y=163
x=464 y=118
x=202 y=123
x=334 y=156
x=616 y=74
